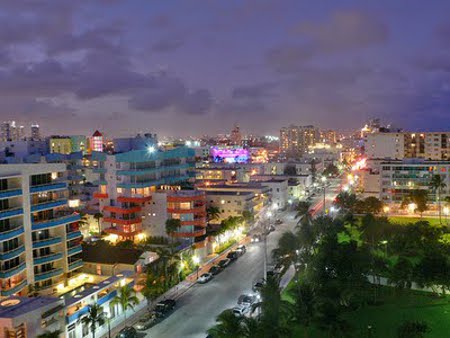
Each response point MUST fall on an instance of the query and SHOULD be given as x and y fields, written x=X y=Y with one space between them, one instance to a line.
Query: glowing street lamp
x=412 y=207
x=196 y=261
x=151 y=149
x=386 y=209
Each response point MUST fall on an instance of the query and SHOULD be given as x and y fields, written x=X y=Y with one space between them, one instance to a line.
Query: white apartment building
x=39 y=236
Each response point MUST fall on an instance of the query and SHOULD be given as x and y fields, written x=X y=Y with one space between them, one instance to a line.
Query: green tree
x=303 y=212
x=413 y=329
x=373 y=205
x=419 y=197
x=50 y=334
x=98 y=216
x=172 y=226
x=437 y=184
x=248 y=216
x=303 y=309
x=213 y=213
x=346 y=201
x=126 y=298
x=331 y=170
x=94 y=318
x=286 y=252
x=153 y=287
x=228 y=325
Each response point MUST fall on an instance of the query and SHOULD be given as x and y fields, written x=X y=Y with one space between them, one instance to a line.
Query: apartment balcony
x=99 y=170
x=15 y=211
x=48 y=187
x=13 y=271
x=74 y=250
x=196 y=233
x=174 y=179
x=100 y=195
x=5 y=235
x=49 y=205
x=136 y=220
x=10 y=193
x=73 y=235
x=138 y=172
x=48 y=274
x=122 y=211
x=77 y=314
x=133 y=199
x=201 y=222
x=123 y=232
x=186 y=197
x=47 y=242
x=12 y=253
x=137 y=185
x=75 y=265
x=13 y=290
x=105 y=298
x=193 y=210
x=46 y=259
x=57 y=221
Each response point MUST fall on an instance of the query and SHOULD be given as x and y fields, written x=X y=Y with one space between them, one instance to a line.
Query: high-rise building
x=328 y=136
x=60 y=144
x=128 y=180
x=97 y=141
x=236 y=137
x=295 y=140
x=39 y=236
x=35 y=132
x=400 y=145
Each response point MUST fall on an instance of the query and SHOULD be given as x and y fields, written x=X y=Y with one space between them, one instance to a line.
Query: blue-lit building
x=40 y=244
x=127 y=181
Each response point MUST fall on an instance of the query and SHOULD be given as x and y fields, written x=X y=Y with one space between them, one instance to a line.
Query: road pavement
x=199 y=306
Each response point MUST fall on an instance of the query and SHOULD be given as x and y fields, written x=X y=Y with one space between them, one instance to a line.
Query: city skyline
x=122 y=66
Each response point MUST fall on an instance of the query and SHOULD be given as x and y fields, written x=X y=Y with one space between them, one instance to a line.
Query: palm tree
x=303 y=212
x=98 y=216
x=126 y=298
x=228 y=325
x=94 y=318
x=153 y=287
x=172 y=225
x=50 y=334
x=437 y=184
x=287 y=250
x=303 y=309
x=213 y=213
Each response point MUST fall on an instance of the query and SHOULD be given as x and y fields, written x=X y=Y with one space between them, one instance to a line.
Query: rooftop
x=16 y=306
x=229 y=193
x=110 y=255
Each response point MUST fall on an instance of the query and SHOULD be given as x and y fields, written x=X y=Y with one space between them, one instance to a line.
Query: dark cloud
x=286 y=59
x=255 y=91
x=434 y=63
x=343 y=31
x=167 y=45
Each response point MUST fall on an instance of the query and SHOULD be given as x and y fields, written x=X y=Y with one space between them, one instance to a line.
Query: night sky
x=190 y=67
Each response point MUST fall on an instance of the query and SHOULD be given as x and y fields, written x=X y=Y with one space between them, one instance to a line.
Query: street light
x=151 y=149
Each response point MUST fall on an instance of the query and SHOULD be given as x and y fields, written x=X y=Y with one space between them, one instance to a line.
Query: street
x=199 y=306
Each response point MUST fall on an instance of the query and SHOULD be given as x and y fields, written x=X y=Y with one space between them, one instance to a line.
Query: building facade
x=60 y=144
x=39 y=237
x=295 y=140
x=128 y=180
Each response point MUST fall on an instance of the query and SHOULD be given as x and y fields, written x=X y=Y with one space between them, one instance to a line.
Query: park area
x=396 y=306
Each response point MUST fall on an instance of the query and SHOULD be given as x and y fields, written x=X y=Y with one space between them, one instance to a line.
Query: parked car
x=248 y=299
x=240 y=310
x=147 y=321
x=271 y=228
x=278 y=221
x=256 y=238
x=215 y=270
x=224 y=263
x=242 y=249
x=232 y=256
x=258 y=285
x=127 y=332
x=164 y=307
x=205 y=278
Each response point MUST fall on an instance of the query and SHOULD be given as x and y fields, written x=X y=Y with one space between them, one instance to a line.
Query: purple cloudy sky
x=194 y=66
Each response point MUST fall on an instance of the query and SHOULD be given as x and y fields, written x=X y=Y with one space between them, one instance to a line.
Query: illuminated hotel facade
x=40 y=244
x=128 y=181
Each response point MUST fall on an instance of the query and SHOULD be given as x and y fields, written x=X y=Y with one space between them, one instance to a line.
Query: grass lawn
x=385 y=318
x=406 y=220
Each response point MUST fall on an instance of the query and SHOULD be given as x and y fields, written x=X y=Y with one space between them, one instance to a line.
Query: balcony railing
x=10 y=193
x=49 y=205
x=12 y=253
x=74 y=250
x=46 y=242
x=196 y=233
x=13 y=271
x=122 y=211
x=194 y=210
x=75 y=265
x=57 y=221
x=107 y=297
x=48 y=274
x=11 y=233
x=15 y=289
x=197 y=222
x=100 y=195
x=16 y=211
x=73 y=235
x=122 y=221
x=48 y=187
x=46 y=259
